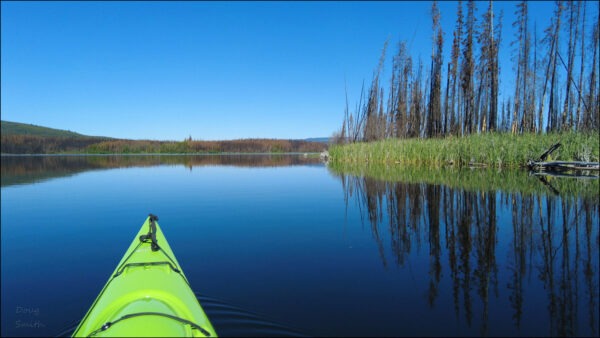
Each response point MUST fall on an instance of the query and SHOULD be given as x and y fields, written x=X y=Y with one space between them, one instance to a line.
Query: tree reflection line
x=546 y=238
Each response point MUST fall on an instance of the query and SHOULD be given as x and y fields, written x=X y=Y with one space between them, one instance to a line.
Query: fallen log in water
x=540 y=165
x=563 y=165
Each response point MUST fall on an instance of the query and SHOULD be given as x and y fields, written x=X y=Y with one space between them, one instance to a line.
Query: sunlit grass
x=491 y=149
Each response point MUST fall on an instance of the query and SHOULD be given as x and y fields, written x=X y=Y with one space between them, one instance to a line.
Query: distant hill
x=21 y=138
x=16 y=128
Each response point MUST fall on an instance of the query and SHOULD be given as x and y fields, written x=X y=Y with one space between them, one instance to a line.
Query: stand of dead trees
x=555 y=83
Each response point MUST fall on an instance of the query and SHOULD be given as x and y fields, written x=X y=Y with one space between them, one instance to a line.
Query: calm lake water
x=284 y=245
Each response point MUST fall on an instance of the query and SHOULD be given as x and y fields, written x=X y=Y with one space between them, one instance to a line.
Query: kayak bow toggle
x=151 y=235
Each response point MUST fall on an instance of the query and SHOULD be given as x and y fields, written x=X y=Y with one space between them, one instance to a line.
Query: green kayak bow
x=147 y=295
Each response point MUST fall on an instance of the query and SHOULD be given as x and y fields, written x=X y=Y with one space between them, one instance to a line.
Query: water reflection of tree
x=432 y=196
x=555 y=236
x=562 y=259
x=30 y=169
x=373 y=194
x=590 y=269
x=485 y=243
x=521 y=207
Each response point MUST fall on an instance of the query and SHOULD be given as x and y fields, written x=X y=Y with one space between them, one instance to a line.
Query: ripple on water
x=228 y=320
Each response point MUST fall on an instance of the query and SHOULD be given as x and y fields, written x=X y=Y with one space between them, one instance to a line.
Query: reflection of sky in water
x=273 y=240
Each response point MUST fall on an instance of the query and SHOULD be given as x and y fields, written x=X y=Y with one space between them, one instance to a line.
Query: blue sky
x=212 y=70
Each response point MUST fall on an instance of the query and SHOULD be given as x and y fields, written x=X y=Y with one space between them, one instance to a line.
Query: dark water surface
x=284 y=245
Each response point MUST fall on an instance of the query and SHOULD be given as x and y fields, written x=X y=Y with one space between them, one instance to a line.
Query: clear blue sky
x=212 y=70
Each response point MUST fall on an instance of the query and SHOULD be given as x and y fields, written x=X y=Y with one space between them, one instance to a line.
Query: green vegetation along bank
x=20 y=138
x=492 y=149
x=26 y=144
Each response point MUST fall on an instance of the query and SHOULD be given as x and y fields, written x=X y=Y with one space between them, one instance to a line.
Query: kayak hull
x=147 y=295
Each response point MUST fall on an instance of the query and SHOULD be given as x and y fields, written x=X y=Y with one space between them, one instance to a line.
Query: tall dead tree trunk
x=567 y=104
x=534 y=127
x=549 y=40
x=453 y=73
x=434 y=108
x=591 y=118
x=416 y=104
x=446 y=117
x=467 y=70
x=372 y=117
x=553 y=123
x=496 y=36
x=522 y=117
x=578 y=112
x=487 y=98
x=402 y=69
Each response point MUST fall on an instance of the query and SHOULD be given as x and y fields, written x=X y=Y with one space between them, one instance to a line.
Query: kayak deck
x=147 y=294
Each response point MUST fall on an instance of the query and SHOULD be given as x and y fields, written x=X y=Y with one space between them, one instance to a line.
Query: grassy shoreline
x=308 y=154
x=502 y=150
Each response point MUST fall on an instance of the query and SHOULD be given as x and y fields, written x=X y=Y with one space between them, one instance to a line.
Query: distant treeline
x=28 y=144
x=555 y=80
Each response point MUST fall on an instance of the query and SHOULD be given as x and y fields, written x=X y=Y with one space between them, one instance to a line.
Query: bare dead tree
x=533 y=91
x=372 y=118
x=591 y=118
x=434 y=114
x=446 y=111
x=520 y=119
x=549 y=40
x=417 y=105
x=453 y=73
x=488 y=74
x=553 y=123
x=467 y=69
x=573 y=11
x=402 y=65
x=495 y=71
x=354 y=121
x=578 y=112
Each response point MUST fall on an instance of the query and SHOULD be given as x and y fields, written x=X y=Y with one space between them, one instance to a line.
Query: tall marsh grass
x=491 y=149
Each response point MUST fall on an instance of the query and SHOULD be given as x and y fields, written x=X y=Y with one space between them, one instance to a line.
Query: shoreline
x=160 y=154
x=492 y=150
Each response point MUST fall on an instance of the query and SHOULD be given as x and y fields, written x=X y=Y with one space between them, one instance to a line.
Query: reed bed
x=502 y=150
x=480 y=179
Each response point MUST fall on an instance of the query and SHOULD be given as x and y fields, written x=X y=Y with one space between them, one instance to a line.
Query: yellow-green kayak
x=147 y=295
